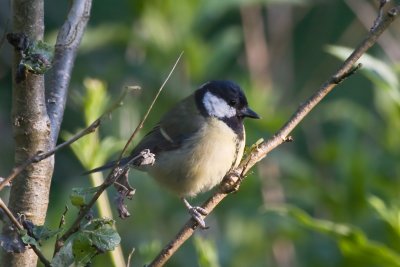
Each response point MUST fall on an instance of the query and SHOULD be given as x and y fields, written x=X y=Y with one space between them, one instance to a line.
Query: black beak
x=247 y=112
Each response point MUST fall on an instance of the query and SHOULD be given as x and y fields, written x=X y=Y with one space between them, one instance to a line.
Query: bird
x=196 y=142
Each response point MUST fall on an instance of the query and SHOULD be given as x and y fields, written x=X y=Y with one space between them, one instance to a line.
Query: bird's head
x=224 y=100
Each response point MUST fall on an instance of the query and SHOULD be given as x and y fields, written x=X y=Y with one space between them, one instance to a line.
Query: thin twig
x=11 y=216
x=61 y=224
x=381 y=13
x=113 y=175
x=338 y=80
x=17 y=224
x=140 y=126
x=365 y=12
x=130 y=257
x=280 y=137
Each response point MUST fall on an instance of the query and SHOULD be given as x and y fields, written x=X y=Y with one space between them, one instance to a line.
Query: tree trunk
x=29 y=193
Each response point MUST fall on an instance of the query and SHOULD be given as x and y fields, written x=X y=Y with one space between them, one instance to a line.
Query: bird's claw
x=197 y=213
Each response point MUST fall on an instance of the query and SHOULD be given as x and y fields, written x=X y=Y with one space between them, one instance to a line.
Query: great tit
x=197 y=142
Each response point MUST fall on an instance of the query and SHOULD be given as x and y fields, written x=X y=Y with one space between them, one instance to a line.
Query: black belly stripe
x=238 y=141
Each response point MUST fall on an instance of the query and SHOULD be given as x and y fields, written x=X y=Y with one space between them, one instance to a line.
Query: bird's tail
x=108 y=165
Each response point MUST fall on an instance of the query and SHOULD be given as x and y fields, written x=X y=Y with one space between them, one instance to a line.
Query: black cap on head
x=232 y=94
x=228 y=90
x=233 y=109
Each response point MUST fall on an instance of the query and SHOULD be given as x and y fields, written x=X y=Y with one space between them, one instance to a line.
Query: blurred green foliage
x=91 y=151
x=351 y=240
x=341 y=173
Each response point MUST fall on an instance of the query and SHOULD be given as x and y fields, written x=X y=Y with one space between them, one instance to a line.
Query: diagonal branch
x=68 y=40
x=234 y=178
x=115 y=173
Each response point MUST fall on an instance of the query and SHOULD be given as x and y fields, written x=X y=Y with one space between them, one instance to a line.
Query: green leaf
x=81 y=196
x=82 y=249
x=96 y=237
x=33 y=234
x=64 y=257
x=43 y=233
x=104 y=238
x=98 y=223
x=27 y=239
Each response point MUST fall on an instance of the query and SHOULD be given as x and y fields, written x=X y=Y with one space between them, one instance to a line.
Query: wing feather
x=174 y=128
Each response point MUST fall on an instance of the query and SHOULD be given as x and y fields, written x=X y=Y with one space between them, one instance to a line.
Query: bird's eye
x=232 y=102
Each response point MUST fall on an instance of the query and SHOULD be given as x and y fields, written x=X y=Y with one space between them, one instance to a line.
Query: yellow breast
x=201 y=162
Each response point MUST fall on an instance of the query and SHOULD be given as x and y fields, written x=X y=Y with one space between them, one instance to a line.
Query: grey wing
x=177 y=125
x=174 y=128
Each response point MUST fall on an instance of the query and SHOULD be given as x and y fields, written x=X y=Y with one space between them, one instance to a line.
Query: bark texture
x=31 y=127
x=68 y=40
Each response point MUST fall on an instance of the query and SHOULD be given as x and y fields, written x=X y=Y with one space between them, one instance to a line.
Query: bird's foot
x=197 y=213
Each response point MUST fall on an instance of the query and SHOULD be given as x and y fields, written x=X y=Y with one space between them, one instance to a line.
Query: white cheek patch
x=217 y=107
